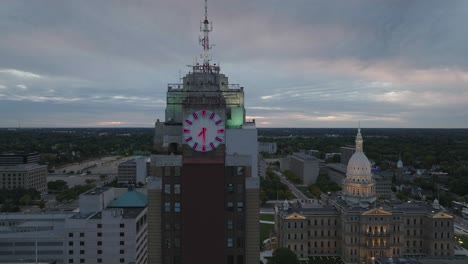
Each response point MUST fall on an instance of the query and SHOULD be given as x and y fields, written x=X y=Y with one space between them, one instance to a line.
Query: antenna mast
x=206 y=27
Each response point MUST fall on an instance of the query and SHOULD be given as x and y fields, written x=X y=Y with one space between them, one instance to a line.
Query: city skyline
x=303 y=63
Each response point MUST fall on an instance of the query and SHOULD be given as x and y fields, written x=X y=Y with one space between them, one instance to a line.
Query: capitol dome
x=359 y=166
x=359 y=185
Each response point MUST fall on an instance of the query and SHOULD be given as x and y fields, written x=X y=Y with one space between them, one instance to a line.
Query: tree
x=25 y=199
x=283 y=256
x=58 y=185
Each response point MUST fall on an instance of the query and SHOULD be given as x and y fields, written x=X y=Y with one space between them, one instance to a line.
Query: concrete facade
x=267 y=147
x=103 y=233
x=27 y=176
x=21 y=234
x=132 y=171
x=306 y=167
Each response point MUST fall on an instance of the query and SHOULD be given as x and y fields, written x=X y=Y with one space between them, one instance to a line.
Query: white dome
x=359 y=166
x=399 y=164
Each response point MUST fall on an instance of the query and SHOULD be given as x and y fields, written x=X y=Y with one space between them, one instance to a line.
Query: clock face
x=203 y=130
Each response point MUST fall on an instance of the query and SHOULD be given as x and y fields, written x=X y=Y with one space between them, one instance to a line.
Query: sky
x=303 y=63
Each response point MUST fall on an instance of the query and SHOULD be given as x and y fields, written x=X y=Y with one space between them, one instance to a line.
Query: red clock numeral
x=218 y=139
x=212 y=145
x=212 y=115
x=195 y=145
x=203 y=148
x=188 y=122
x=218 y=122
x=195 y=115
x=221 y=130
x=186 y=130
x=188 y=139
x=203 y=113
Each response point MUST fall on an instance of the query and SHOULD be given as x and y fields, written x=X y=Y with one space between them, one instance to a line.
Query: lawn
x=266 y=229
x=267 y=217
x=464 y=239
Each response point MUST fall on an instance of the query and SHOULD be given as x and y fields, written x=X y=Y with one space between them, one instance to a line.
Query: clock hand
x=203 y=133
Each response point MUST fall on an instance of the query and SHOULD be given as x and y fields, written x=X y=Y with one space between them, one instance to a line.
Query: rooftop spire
x=206 y=27
x=359 y=140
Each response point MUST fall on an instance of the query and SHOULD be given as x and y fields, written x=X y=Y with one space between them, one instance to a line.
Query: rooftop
x=130 y=199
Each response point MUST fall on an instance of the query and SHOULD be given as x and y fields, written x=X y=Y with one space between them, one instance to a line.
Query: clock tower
x=203 y=195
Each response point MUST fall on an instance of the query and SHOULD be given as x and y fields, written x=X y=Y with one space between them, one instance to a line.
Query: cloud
x=20 y=74
x=22 y=86
x=394 y=63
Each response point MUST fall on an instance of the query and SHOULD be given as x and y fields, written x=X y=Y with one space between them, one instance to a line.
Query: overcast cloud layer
x=303 y=63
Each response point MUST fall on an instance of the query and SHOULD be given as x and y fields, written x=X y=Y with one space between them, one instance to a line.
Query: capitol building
x=358 y=228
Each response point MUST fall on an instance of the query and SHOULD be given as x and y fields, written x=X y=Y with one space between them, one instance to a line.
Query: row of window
x=168 y=208
x=99 y=260
x=230 y=171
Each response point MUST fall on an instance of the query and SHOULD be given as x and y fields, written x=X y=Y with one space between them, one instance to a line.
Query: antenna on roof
x=206 y=27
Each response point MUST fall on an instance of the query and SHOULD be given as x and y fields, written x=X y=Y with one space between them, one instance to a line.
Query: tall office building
x=203 y=192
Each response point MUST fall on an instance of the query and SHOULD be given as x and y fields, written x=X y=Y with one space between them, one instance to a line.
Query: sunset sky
x=303 y=63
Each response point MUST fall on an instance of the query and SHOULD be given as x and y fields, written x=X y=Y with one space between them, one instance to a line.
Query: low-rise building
x=267 y=147
x=108 y=228
x=133 y=170
x=306 y=167
x=27 y=176
x=25 y=236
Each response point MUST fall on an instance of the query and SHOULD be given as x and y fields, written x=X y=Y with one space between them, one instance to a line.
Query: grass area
x=464 y=239
x=267 y=217
x=265 y=230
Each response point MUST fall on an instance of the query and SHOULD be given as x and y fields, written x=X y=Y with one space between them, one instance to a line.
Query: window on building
x=99 y=243
x=70 y=252
x=70 y=234
x=176 y=171
x=82 y=243
x=240 y=206
x=99 y=225
x=99 y=234
x=240 y=171
x=122 y=243
x=122 y=225
x=82 y=261
x=122 y=234
x=177 y=207
x=81 y=234
x=177 y=242
x=122 y=251
x=70 y=261
x=176 y=188
x=230 y=188
x=230 y=206
x=167 y=189
x=122 y=260
x=70 y=243
x=229 y=224
x=99 y=251
x=99 y=260
x=167 y=171
x=167 y=207
x=229 y=242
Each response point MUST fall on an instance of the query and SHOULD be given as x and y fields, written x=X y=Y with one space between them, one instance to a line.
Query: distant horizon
x=363 y=128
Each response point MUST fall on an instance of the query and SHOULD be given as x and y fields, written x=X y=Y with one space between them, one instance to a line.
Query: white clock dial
x=203 y=130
